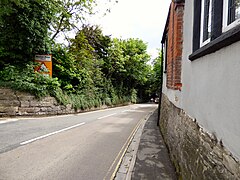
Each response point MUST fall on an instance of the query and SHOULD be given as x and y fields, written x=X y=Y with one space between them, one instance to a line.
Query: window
x=216 y=24
x=231 y=15
x=206 y=22
x=233 y=10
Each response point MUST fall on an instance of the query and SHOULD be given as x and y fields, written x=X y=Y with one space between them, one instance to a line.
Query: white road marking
x=8 y=120
x=50 y=134
x=107 y=116
x=102 y=110
x=132 y=111
x=147 y=105
x=59 y=116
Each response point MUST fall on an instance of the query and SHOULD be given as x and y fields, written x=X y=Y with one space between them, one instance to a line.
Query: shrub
x=108 y=101
x=25 y=79
x=133 y=96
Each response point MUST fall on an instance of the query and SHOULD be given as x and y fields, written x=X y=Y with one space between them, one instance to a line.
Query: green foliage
x=114 y=63
x=96 y=39
x=67 y=70
x=126 y=65
x=29 y=27
x=134 y=96
x=157 y=72
x=23 y=30
x=136 y=66
x=152 y=86
x=108 y=101
x=94 y=70
x=24 y=79
x=68 y=14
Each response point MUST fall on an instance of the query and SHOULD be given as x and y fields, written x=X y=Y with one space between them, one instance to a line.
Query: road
x=84 y=146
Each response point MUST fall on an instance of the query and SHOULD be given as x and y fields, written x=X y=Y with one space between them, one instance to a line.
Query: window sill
x=222 y=41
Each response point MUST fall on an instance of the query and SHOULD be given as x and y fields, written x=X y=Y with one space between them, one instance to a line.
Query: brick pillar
x=174 y=49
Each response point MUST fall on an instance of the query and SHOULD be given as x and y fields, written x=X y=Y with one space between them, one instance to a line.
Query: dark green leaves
x=24 y=30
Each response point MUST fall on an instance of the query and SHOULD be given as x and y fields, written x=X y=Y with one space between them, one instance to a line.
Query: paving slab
x=147 y=156
x=152 y=160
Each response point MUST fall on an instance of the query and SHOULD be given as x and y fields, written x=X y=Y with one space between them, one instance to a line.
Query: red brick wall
x=174 y=49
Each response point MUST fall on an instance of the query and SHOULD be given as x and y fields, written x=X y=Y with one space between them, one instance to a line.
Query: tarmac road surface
x=84 y=146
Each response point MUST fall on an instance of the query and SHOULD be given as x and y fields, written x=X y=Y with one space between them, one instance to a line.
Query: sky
x=136 y=19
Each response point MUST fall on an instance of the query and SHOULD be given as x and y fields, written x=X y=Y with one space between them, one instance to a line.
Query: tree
x=113 y=64
x=126 y=65
x=97 y=40
x=69 y=13
x=29 y=27
x=88 y=49
x=154 y=80
x=80 y=66
x=23 y=30
x=136 y=58
x=157 y=73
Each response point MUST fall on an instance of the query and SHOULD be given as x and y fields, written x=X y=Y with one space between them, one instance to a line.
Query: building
x=200 y=107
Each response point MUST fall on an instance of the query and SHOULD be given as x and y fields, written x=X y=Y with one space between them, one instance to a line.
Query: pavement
x=146 y=157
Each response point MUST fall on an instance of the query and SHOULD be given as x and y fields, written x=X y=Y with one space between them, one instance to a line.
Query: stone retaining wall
x=14 y=103
x=195 y=153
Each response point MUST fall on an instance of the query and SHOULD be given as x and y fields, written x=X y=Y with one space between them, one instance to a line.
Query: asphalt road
x=84 y=146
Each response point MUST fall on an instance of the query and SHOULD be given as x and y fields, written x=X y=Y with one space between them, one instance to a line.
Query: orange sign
x=45 y=66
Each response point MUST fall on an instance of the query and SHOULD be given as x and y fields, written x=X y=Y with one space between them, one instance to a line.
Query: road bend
x=85 y=146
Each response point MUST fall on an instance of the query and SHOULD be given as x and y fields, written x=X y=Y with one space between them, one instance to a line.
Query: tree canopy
x=94 y=69
x=24 y=29
x=30 y=27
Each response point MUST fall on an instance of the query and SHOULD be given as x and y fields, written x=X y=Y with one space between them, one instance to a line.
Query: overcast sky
x=137 y=19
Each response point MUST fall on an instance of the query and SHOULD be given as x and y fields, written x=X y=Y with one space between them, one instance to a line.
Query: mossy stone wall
x=196 y=154
x=14 y=103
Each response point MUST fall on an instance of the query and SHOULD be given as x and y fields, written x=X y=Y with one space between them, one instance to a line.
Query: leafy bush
x=24 y=79
x=134 y=96
x=108 y=101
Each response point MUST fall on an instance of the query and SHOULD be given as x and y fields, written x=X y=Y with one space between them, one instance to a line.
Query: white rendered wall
x=211 y=88
x=173 y=95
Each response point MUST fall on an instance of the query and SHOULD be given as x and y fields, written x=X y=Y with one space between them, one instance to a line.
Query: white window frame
x=227 y=27
x=202 y=43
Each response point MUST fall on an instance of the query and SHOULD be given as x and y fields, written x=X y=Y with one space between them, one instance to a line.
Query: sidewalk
x=147 y=156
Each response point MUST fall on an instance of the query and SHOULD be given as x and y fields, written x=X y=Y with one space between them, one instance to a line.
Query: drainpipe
x=160 y=88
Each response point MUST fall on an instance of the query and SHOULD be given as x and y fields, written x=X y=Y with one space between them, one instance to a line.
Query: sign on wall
x=45 y=66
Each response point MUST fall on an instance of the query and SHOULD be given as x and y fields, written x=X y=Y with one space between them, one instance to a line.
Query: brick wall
x=174 y=49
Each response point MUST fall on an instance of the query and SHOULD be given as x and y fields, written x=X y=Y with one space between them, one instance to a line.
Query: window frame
x=203 y=22
x=219 y=39
x=226 y=26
